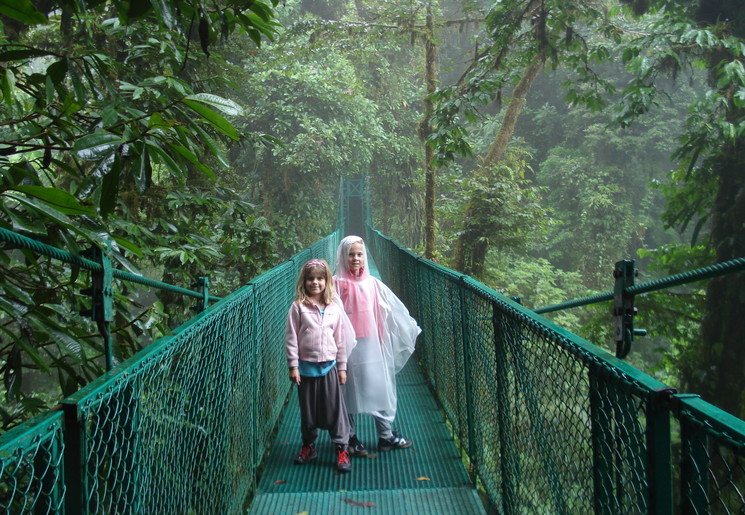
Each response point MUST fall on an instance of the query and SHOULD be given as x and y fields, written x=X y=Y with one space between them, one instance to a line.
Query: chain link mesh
x=712 y=461
x=547 y=422
x=31 y=466
x=179 y=428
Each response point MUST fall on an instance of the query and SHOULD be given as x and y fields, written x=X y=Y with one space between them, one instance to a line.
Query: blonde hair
x=314 y=265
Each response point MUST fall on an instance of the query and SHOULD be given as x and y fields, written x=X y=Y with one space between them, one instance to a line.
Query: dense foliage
x=562 y=137
x=594 y=182
x=111 y=132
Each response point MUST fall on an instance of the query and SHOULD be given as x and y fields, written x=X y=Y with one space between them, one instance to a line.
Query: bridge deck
x=428 y=477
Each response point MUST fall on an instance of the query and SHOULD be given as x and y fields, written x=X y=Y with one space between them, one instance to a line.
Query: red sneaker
x=342 y=459
x=307 y=453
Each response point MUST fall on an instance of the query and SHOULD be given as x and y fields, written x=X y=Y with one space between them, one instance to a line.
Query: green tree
x=711 y=178
x=106 y=111
x=503 y=212
x=520 y=37
x=334 y=93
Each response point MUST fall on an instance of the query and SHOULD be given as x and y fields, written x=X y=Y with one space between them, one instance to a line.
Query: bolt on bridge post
x=623 y=307
x=102 y=297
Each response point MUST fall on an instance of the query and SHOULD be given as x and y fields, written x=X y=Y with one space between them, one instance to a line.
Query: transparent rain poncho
x=385 y=332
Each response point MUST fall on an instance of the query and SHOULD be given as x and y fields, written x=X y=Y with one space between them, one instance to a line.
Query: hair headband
x=314 y=263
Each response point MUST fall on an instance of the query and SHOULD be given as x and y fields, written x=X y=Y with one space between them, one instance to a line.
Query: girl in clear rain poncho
x=386 y=335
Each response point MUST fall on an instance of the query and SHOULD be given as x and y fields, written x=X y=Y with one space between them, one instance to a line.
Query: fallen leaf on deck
x=423 y=478
x=279 y=481
x=302 y=513
x=355 y=503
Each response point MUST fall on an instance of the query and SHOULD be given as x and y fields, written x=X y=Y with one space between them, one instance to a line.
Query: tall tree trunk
x=720 y=375
x=430 y=58
x=472 y=244
x=720 y=372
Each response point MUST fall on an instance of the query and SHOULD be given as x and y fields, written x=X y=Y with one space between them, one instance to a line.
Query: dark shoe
x=342 y=459
x=307 y=453
x=356 y=448
x=394 y=442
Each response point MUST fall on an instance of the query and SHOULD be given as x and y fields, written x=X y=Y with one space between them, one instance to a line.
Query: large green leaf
x=41 y=208
x=193 y=159
x=142 y=170
x=160 y=156
x=97 y=146
x=205 y=139
x=71 y=346
x=156 y=121
x=61 y=200
x=110 y=187
x=28 y=348
x=23 y=223
x=217 y=121
x=8 y=86
x=21 y=53
x=134 y=249
x=23 y=11
x=263 y=10
x=19 y=294
x=225 y=105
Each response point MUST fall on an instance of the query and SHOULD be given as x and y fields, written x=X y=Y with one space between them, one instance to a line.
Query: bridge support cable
x=99 y=263
x=625 y=290
x=25 y=242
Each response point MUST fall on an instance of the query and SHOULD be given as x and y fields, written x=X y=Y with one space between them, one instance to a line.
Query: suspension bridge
x=509 y=413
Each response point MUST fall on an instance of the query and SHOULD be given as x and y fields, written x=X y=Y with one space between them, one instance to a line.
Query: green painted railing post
x=202 y=285
x=76 y=480
x=623 y=307
x=602 y=447
x=465 y=334
x=695 y=466
x=507 y=463
x=659 y=471
x=102 y=298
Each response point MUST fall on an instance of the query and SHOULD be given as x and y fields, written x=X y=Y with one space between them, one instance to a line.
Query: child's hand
x=295 y=375
x=342 y=377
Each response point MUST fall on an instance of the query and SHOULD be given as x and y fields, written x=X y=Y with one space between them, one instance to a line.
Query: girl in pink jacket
x=318 y=336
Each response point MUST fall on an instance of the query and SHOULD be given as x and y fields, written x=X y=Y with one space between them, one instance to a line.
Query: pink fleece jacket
x=309 y=336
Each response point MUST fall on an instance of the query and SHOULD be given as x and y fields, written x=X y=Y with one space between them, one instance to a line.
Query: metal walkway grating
x=428 y=477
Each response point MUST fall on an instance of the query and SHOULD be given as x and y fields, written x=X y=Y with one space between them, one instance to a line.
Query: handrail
x=707 y=272
x=549 y=422
x=54 y=252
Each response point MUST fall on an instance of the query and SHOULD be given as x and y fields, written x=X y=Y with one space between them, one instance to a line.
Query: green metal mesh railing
x=712 y=459
x=181 y=427
x=552 y=424
x=547 y=422
x=31 y=466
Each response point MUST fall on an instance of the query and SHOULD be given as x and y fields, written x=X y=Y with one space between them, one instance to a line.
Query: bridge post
x=76 y=481
x=658 y=451
x=202 y=284
x=623 y=307
x=355 y=215
x=602 y=446
x=507 y=464
x=102 y=295
x=467 y=377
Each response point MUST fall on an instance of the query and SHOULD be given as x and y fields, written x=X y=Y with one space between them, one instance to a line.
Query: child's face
x=355 y=258
x=315 y=283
